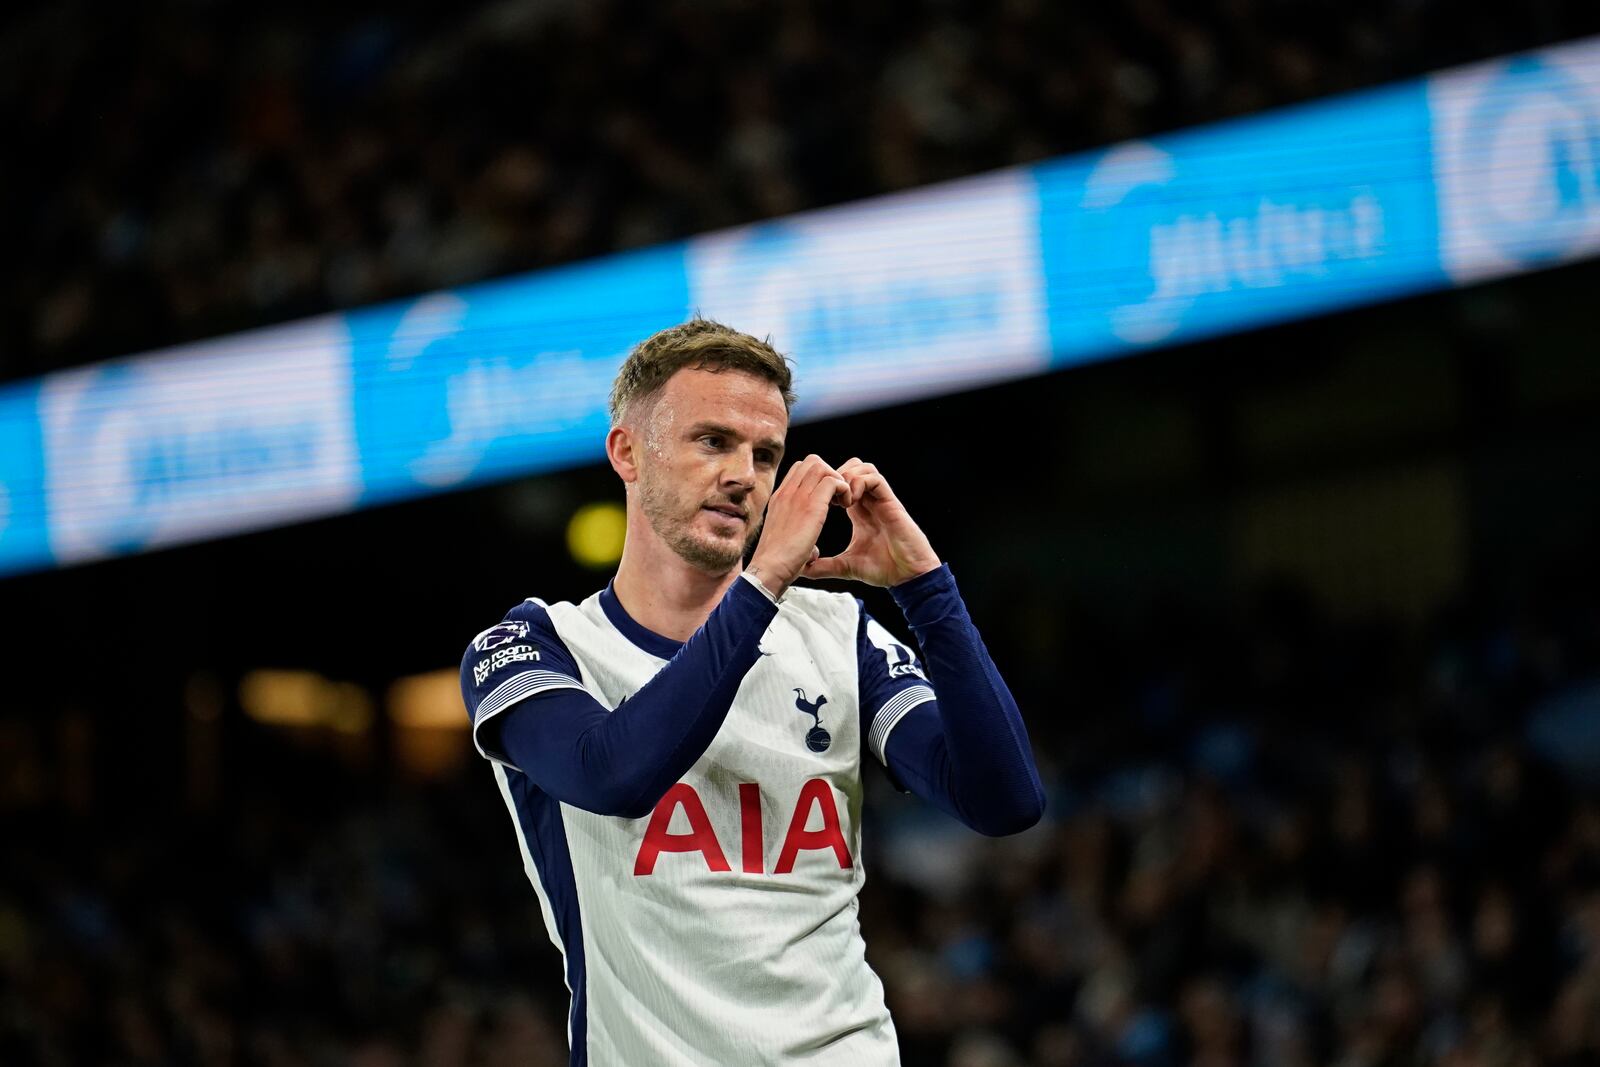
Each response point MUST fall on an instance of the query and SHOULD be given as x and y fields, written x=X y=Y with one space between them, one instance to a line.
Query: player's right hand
x=795 y=514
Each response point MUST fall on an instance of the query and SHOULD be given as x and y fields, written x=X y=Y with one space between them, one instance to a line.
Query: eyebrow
x=771 y=443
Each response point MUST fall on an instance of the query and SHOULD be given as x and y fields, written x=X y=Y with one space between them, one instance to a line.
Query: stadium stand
x=194 y=169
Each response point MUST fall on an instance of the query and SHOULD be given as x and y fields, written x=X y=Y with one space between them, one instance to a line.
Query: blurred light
x=429 y=701
x=305 y=699
x=429 y=721
x=596 y=534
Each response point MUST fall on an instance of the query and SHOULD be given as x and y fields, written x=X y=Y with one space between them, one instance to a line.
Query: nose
x=740 y=469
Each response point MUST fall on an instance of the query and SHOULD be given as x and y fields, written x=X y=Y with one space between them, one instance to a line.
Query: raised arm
x=534 y=714
x=954 y=735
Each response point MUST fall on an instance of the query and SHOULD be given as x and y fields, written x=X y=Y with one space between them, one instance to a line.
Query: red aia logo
x=702 y=838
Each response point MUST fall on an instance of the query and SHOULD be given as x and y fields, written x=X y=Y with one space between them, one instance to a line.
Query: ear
x=620 y=451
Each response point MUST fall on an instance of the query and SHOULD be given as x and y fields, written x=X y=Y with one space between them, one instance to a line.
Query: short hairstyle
x=700 y=344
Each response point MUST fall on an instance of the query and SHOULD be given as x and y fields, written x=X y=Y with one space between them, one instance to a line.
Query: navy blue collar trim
x=648 y=640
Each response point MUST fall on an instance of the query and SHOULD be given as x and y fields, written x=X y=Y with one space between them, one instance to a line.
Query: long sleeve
x=957 y=741
x=613 y=762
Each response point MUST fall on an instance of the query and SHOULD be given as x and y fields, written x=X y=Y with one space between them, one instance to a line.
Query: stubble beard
x=668 y=519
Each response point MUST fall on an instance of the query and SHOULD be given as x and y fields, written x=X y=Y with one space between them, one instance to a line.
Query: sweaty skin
x=699 y=462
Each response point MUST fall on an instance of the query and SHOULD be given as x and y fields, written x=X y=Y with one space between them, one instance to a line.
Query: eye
x=711 y=440
x=765 y=458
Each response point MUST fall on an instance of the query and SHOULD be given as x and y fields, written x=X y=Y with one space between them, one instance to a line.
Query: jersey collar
x=646 y=639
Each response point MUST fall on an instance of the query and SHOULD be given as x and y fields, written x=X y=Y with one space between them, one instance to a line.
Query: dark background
x=1303 y=622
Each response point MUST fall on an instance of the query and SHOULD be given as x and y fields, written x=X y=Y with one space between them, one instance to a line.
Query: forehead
x=732 y=398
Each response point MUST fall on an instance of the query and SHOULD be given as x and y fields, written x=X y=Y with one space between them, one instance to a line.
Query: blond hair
x=701 y=344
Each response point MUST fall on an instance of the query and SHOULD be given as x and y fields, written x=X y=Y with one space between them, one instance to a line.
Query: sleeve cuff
x=513 y=691
x=753 y=580
x=889 y=716
x=927 y=598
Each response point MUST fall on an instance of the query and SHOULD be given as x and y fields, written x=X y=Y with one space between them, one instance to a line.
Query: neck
x=661 y=591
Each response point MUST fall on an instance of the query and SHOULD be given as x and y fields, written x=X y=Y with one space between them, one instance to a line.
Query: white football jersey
x=721 y=929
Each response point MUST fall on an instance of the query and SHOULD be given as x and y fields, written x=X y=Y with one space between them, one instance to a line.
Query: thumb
x=829 y=567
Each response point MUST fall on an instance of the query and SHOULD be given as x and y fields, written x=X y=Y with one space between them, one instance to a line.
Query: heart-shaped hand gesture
x=886 y=546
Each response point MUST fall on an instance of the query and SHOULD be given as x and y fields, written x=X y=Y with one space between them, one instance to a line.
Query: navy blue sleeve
x=961 y=745
x=519 y=657
x=891 y=680
x=622 y=761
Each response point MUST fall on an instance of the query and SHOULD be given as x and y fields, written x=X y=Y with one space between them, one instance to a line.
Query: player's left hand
x=886 y=547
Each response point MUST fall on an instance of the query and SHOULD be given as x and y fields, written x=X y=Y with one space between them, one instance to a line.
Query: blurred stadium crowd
x=193 y=167
x=1272 y=841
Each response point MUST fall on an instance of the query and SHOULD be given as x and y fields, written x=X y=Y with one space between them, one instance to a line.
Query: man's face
x=707 y=459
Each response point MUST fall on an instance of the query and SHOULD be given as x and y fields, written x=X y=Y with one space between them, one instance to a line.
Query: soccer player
x=682 y=752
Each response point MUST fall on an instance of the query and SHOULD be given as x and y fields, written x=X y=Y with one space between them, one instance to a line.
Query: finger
x=857 y=466
x=813 y=498
x=830 y=567
x=816 y=469
x=791 y=478
x=864 y=484
x=830 y=489
x=798 y=470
